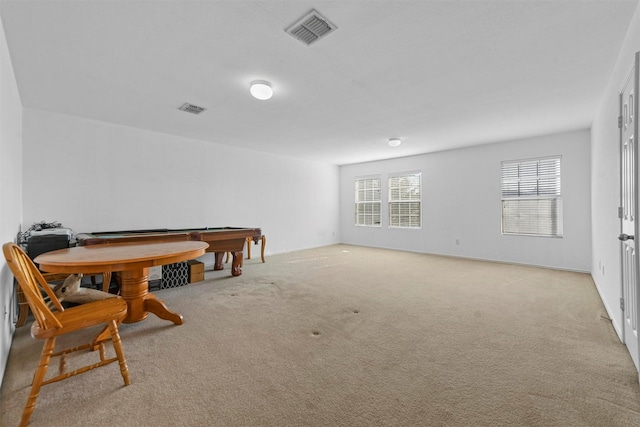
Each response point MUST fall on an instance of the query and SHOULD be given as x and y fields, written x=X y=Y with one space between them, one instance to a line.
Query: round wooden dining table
x=132 y=261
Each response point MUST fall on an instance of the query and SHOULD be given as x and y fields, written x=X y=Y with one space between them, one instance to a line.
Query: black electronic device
x=41 y=243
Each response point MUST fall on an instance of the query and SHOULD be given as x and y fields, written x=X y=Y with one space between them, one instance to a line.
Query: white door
x=628 y=123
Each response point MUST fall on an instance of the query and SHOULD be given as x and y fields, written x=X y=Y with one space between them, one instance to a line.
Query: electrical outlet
x=457 y=241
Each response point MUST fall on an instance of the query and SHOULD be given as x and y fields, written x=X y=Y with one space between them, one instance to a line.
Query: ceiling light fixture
x=261 y=89
x=394 y=142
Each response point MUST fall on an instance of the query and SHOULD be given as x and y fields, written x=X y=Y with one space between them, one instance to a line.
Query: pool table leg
x=235 y=265
x=218 y=261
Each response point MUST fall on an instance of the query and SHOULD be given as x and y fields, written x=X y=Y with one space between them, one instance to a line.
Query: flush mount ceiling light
x=394 y=142
x=261 y=89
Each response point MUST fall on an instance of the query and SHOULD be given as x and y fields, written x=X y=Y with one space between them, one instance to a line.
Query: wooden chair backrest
x=33 y=285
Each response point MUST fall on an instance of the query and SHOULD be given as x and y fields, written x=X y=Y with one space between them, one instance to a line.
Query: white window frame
x=368 y=201
x=532 y=197
x=405 y=200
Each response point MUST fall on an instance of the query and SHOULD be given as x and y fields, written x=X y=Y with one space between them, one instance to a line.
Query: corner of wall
x=10 y=190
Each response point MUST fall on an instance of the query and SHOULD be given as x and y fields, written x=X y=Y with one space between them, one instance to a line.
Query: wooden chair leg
x=106 y=281
x=264 y=243
x=117 y=345
x=249 y=242
x=38 y=378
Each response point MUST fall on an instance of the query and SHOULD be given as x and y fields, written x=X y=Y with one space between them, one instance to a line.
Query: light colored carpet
x=353 y=336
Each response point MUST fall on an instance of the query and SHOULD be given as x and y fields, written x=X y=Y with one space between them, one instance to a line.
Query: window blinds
x=368 y=202
x=532 y=197
x=405 y=201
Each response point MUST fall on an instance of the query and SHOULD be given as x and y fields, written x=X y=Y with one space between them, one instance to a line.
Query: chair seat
x=84 y=316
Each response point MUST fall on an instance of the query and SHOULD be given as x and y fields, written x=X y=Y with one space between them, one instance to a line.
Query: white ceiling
x=438 y=74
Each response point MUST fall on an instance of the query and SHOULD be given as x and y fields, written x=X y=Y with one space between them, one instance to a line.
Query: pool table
x=220 y=240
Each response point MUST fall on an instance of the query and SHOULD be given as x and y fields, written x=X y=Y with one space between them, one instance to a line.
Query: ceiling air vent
x=311 y=27
x=190 y=108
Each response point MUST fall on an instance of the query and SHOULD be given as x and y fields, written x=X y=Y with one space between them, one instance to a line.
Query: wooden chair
x=23 y=305
x=48 y=324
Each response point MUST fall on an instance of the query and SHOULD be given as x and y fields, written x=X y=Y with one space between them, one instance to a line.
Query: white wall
x=461 y=200
x=605 y=140
x=10 y=190
x=96 y=176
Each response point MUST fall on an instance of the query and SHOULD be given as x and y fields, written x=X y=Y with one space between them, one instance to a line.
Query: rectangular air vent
x=190 y=108
x=311 y=27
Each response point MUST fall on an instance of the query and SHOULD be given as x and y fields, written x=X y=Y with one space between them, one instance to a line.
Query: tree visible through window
x=405 y=200
x=532 y=197
x=368 y=202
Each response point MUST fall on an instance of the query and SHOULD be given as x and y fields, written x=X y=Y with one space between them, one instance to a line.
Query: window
x=368 y=202
x=531 y=197
x=404 y=200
